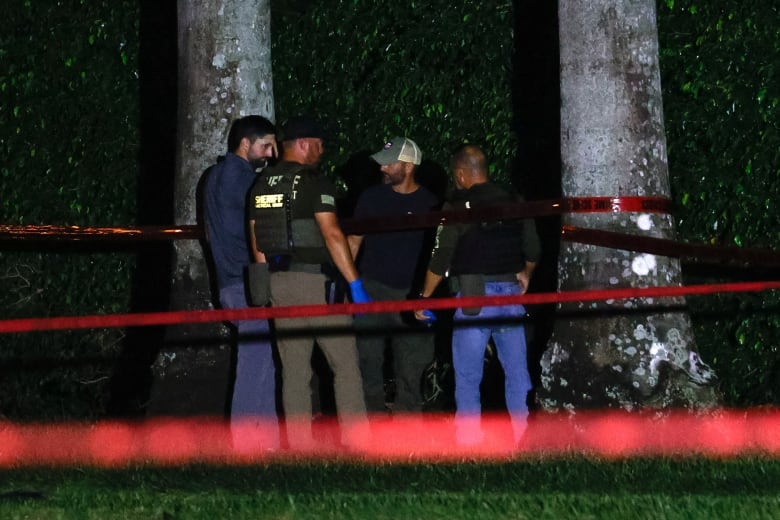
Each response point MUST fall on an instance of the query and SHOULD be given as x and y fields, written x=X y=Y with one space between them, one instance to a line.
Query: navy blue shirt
x=225 y=196
x=392 y=258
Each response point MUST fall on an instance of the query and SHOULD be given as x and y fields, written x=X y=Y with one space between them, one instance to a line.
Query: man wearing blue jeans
x=251 y=141
x=493 y=258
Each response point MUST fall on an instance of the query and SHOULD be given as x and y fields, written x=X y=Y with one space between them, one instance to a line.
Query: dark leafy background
x=721 y=97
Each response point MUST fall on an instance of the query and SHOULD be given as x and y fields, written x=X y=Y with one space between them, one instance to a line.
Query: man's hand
x=359 y=294
x=425 y=316
x=524 y=276
x=432 y=280
x=523 y=279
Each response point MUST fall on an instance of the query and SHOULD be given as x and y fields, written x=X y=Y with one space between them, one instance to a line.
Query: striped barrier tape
x=431 y=219
x=255 y=313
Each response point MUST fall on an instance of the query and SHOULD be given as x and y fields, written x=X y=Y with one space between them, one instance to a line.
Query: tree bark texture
x=224 y=72
x=633 y=353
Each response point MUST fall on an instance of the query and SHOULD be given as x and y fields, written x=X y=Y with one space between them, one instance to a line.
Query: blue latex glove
x=430 y=317
x=359 y=294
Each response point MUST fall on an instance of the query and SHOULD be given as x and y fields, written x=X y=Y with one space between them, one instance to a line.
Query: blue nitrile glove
x=430 y=317
x=359 y=294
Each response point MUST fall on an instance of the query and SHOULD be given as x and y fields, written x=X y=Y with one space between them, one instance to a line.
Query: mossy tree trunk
x=224 y=72
x=636 y=353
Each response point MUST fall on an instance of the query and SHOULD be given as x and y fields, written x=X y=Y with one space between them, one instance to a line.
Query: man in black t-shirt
x=389 y=263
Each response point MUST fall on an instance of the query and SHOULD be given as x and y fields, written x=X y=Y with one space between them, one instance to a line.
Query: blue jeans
x=469 y=341
x=254 y=390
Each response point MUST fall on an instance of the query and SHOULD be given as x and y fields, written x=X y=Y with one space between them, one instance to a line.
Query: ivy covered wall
x=436 y=71
x=721 y=85
x=69 y=142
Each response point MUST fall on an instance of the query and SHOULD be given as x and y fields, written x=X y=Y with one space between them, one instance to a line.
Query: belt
x=299 y=267
x=507 y=277
x=282 y=263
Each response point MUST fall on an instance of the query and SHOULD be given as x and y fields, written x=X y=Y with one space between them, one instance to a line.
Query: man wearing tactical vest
x=296 y=235
x=484 y=258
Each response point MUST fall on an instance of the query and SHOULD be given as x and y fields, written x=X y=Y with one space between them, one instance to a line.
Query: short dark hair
x=250 y=127
x=469 y=156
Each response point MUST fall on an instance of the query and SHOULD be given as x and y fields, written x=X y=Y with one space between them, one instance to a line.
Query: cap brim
x=385 y=157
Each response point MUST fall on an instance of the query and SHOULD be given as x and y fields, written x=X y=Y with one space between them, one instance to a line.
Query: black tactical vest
x=490 y=247
x=276 y=230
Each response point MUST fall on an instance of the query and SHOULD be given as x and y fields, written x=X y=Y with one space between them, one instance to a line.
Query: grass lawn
x=534 y=487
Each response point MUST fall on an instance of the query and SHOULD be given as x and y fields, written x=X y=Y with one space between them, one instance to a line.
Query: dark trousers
x=412 y=351
x=295 y=342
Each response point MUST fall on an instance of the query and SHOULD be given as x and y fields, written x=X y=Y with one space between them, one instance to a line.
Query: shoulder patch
x=330 y=200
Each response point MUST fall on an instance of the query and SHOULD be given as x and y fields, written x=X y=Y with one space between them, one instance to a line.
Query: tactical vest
x=276 y=231
x=493 y=247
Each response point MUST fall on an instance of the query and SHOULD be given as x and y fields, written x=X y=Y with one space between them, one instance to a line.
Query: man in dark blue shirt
x=251 y=141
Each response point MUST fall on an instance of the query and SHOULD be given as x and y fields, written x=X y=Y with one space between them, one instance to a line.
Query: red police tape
x=539 y=208
x=402 y=438
x=203 y=316
x=12 y=234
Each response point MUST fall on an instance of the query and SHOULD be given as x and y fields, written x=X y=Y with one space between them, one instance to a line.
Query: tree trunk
x=633 y=353
x=224 y=72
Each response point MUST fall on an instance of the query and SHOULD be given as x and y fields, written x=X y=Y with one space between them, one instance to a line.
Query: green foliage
x=437 y=71
x=572 y=487
x=721 y=100
x=722 y=119
x=69 y=110
x=738 y=336
x=68 y=80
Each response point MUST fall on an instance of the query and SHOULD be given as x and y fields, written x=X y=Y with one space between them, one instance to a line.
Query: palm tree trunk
x=622 y=353
x=224 y=72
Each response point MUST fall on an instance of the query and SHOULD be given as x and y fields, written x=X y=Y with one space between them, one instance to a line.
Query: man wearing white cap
x=391 y=266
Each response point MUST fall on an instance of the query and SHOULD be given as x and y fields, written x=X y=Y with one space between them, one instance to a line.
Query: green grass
x=532 y=488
